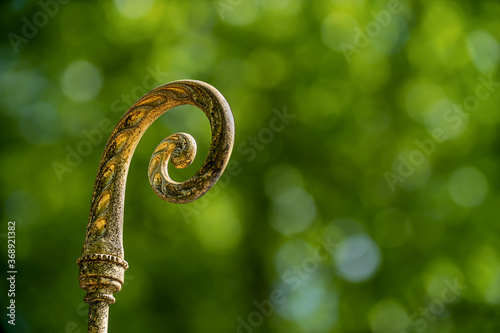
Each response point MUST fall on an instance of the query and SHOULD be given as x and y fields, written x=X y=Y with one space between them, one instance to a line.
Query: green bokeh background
x=362 y=107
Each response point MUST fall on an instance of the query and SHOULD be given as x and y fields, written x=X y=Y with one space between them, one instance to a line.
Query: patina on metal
x=102 y=264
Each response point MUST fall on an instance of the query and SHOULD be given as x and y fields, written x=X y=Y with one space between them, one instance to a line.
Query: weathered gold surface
x=102 y=264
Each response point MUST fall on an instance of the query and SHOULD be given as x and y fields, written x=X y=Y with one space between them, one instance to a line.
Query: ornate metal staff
x=102 y=264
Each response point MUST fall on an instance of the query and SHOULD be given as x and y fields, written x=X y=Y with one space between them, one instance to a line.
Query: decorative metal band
x=103 y=257
x=99 y=297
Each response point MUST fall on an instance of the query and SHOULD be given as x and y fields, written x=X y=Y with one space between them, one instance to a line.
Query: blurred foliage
x=358 y=162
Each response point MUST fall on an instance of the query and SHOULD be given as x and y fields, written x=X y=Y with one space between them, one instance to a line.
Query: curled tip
x=180 y=148
x=184 y=152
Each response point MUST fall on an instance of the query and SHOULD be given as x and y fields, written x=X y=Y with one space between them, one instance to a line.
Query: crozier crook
x=102 y=264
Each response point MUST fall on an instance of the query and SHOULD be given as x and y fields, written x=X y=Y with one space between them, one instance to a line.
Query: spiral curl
x=104 y=227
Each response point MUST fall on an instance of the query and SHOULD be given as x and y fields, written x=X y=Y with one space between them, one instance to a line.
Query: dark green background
x=356 y=118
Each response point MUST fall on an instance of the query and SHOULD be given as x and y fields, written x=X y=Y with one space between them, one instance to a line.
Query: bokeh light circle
x=468 y=187
x=81 y=81
x=357 y=258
